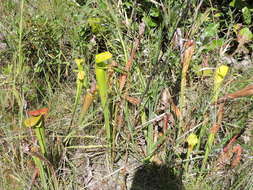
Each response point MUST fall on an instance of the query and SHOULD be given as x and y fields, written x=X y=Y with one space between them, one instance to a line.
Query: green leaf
x=128 y=4
x=154 y=12
x=211 y=30
x=239 y=4
x=102 y=5
x=246 y=15
x=217 y=15
x=245 y=35
x=232 y=3
x=214 y=44
x=149 y=21
x=96 y=24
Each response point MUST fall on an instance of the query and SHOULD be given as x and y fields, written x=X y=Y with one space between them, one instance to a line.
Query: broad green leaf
x=149 y=21
x=154 y=12
x=239 y=4
x=217 y=15
x=245 y=35
x=232 y=3
x=95 y=24
x=246 y=15
x=214 y=44
x=211 y=30
x=128 y=4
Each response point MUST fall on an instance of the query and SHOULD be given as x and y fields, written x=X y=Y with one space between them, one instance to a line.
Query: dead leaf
x=132 y=100
x=247 y=91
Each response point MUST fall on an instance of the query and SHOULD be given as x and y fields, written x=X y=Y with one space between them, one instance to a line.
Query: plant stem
x=40 y=134
x=43 y=177
x=103 y=92
x=20 y=58
x=208 y=149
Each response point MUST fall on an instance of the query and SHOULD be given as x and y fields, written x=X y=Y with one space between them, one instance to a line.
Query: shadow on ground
x=156 y=177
